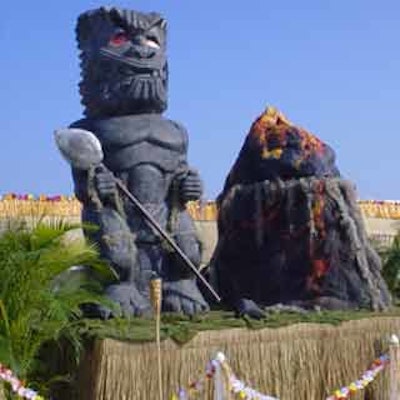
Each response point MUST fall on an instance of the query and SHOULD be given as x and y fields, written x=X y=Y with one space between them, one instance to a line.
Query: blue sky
x=332 y=66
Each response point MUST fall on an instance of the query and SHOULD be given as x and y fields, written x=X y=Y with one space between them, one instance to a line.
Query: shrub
x=36 y=306
x=391 y=266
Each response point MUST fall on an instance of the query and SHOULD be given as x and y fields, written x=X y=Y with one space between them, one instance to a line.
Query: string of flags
x=17 y=385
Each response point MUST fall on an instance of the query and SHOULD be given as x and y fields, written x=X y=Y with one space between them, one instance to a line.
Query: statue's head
x=124 y=64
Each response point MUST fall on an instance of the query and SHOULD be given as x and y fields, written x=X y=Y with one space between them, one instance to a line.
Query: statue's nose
x=140 y=50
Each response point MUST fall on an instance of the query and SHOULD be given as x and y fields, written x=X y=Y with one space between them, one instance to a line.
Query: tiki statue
x=124 y=93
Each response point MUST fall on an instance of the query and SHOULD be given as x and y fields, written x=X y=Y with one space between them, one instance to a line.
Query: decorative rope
x=17 y=386
x=236 y=386
x=197 y=386
x=366 y=378
x=242 y=391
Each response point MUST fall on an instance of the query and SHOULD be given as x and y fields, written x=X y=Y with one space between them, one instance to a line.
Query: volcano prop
x=290 y=229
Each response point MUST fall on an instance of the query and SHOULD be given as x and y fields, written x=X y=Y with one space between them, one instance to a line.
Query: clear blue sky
x=333 y=66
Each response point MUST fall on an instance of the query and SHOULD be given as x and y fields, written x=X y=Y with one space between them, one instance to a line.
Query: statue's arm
x=81 y=186
x=100 y=186
x=190 y=183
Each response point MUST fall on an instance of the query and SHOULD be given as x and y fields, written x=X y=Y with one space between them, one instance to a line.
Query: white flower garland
x=17 y=386
x=366 y=378
x=236 y=386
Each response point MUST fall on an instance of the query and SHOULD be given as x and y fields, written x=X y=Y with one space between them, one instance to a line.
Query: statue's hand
x=105 y=184
x=191 y=187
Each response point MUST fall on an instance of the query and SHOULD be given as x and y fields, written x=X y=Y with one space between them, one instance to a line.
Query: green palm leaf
x=40 y=296
x=391 y=266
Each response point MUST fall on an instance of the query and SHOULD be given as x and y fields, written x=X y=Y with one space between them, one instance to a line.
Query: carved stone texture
x=124 y=92
x=290 y=229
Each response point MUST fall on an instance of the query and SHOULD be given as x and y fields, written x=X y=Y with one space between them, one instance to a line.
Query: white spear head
x=79 y=147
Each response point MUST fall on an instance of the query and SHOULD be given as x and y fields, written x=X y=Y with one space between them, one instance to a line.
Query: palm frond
x=39 y=303
x=391 y=266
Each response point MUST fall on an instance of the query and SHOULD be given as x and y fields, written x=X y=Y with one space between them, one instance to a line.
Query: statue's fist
x=191 y=186
x=105 y=183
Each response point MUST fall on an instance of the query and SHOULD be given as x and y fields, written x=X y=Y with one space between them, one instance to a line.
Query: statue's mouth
x=145 y=67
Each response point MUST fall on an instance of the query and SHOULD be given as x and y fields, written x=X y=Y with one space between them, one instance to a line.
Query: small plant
x=36 y=307
x=391 y=266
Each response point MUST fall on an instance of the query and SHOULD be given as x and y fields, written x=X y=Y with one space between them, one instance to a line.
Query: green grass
x=182 y=329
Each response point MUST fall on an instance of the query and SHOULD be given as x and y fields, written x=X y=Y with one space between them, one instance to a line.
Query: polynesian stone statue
x=124 y=92
x=290 y=230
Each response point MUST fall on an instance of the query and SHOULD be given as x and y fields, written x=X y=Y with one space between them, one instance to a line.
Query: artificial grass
x=182 y=329
x=306 y=360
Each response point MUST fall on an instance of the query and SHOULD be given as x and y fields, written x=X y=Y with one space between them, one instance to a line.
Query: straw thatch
x=302 y=362
x=70 y=206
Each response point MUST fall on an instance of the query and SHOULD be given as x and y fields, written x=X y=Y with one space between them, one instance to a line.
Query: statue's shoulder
x=82 y=123
x=179 y=130
x=153 y=128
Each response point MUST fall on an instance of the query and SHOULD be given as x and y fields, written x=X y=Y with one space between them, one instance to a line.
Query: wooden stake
x=394 y=366
x=156 y=299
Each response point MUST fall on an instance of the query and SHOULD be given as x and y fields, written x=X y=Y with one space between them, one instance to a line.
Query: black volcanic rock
x=290 y=229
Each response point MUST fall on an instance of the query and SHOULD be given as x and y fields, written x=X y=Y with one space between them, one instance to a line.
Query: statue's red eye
x=119 y=39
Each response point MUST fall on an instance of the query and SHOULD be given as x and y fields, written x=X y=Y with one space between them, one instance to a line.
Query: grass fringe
x=305 y=361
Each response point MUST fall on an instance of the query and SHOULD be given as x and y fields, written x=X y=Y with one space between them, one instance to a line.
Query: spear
x=83 y=151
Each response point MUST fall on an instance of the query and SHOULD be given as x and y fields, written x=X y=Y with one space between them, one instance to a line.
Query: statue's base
x=300 y=362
